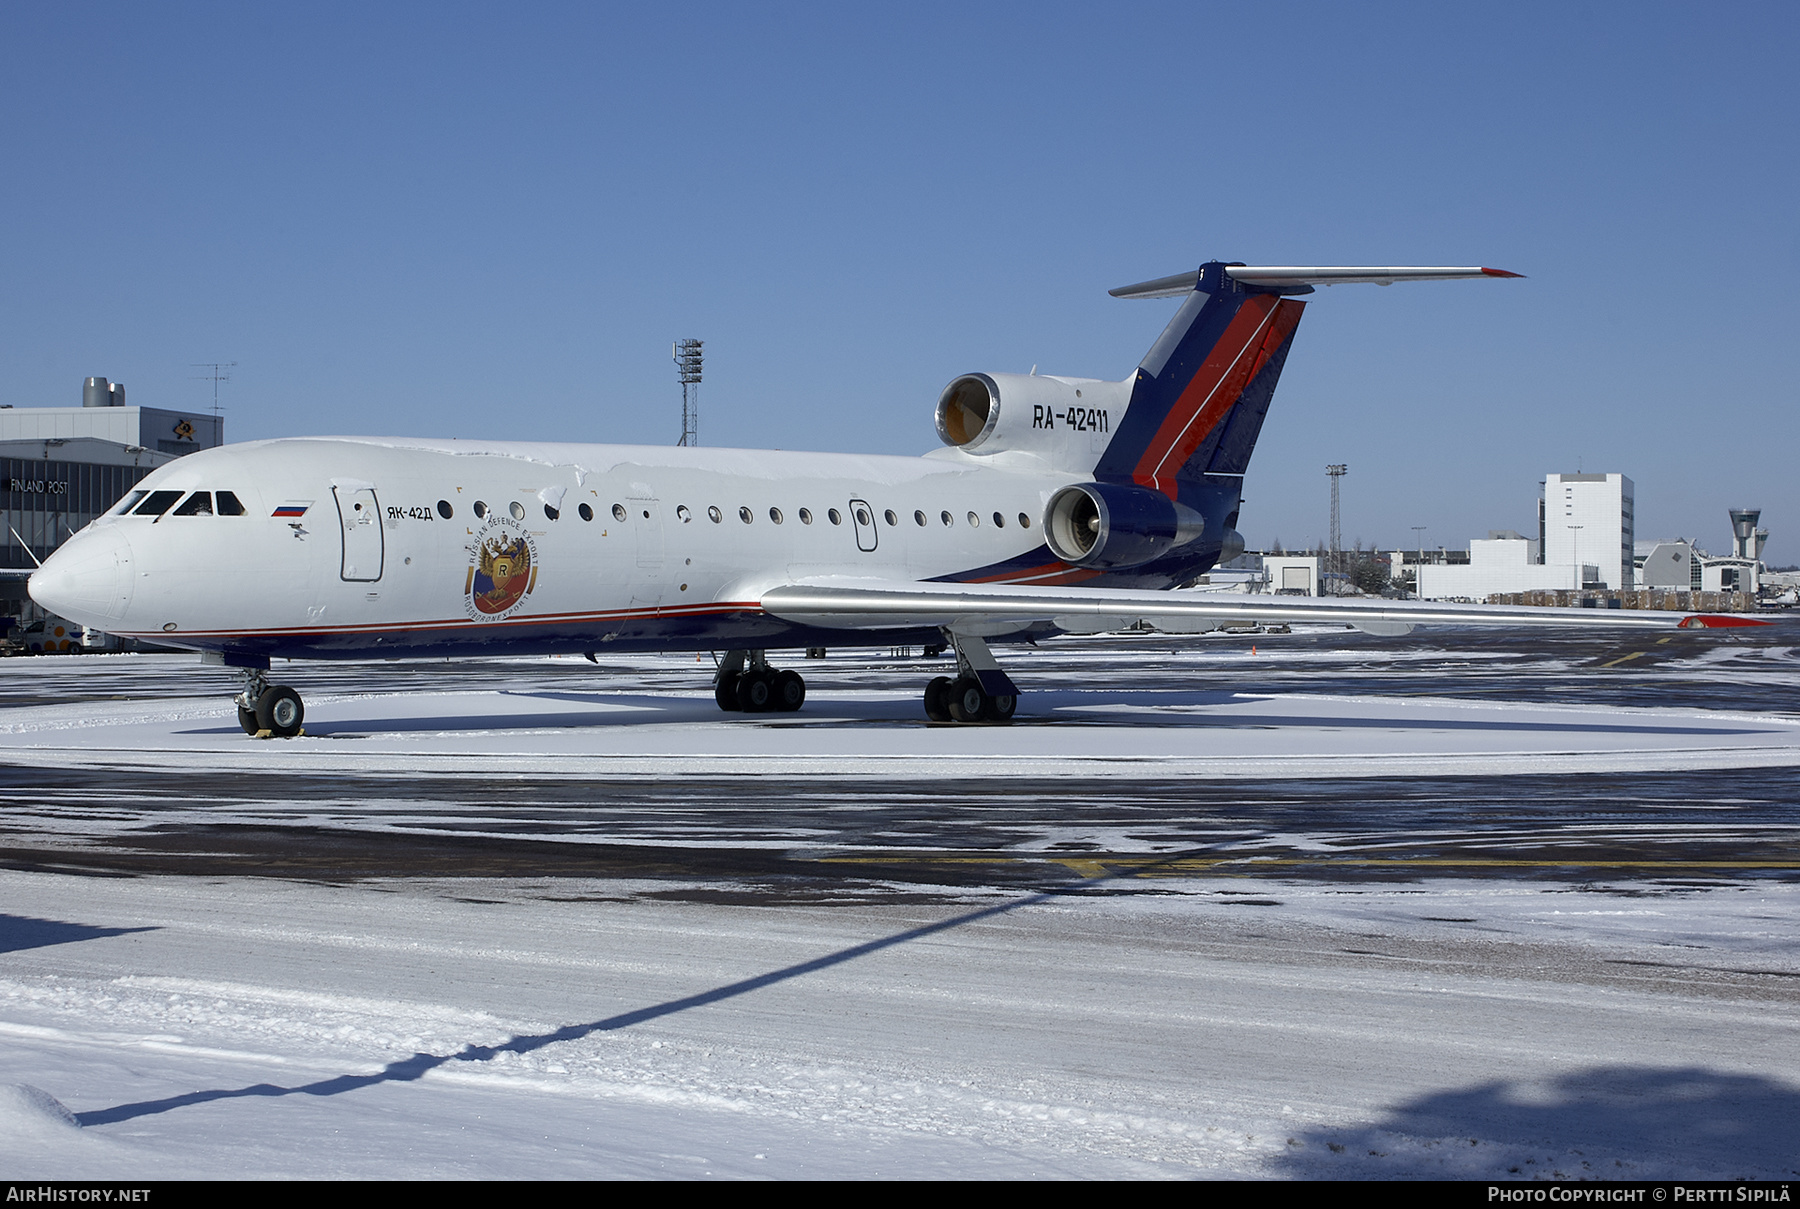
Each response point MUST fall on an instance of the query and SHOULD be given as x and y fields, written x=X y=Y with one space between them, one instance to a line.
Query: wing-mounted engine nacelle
x=1066 y=421
x=1112 y=525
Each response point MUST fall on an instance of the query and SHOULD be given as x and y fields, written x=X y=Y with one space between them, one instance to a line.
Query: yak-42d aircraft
x=1057 y=505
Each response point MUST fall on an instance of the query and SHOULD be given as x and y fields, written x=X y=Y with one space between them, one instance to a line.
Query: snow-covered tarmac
x=1196 y=1022
x=1111 y=731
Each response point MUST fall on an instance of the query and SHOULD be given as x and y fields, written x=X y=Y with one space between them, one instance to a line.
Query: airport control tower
x=1746 y=539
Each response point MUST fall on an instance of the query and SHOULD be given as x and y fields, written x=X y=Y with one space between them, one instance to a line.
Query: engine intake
x=968 y=410
x=1111 y=525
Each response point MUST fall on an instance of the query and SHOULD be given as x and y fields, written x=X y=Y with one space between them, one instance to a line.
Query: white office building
x=1504 y=562
x=1588 y=519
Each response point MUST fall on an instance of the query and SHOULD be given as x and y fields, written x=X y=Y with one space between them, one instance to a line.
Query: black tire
x=1000 y=708
x=968 y=702
x=280 y=712
x=937 y=699
x=725 y=692
x=789 y=692
x=247 y=720
x=754 y=692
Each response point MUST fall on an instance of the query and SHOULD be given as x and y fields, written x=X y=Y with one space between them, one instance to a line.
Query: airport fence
x=1648 y=598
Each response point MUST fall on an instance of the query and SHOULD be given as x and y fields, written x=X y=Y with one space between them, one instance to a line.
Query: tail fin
x=1198 y=402
x=1200 y=395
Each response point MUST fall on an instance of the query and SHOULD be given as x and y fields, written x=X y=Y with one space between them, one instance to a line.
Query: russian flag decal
x=293 y=508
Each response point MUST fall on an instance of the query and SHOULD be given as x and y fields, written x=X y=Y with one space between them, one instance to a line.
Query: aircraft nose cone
x=88 y=580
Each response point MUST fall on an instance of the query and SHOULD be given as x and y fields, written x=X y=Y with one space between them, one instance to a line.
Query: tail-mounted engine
x=1066 y=421
x=1113 y=525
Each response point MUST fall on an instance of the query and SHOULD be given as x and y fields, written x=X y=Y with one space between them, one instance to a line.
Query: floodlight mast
x=688 y=358
x=1336 y=470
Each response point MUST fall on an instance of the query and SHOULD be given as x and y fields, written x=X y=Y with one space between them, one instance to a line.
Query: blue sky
x=491 y=221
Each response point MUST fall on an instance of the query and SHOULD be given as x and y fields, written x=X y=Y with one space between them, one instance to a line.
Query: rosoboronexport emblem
x=502 y=570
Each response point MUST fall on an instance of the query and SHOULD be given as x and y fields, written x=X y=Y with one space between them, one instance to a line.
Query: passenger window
x=713 y=514
x=890 y=517
x=919 y=519
x=158 y=503
x=947 y=519
x=227 y=504
x=480 y=509
x=974 y=521
x=587 y=513
x=806 y=516
x=862 y=517
x=552 y=513
x=197 y=504
x=683 y=515
x=1024 y=521
x=834 y=516
x=999 y=521
x=618 y=512
x=775 y=515
x=745 y=515
x=444 y=508
x=517 y=509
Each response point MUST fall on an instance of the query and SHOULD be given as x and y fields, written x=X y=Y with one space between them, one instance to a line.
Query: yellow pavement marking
x=1625 y=658
x=1091 y=867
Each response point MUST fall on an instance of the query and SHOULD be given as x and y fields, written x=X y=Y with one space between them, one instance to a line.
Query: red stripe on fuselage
x=406 y=627
x=1048 y=573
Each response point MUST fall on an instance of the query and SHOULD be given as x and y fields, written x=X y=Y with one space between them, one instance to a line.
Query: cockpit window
x=158 y=503
x=197 y=504
x=228 y=504
x=126 y=504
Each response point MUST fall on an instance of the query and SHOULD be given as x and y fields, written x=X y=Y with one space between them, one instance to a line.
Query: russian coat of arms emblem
x=502 y=570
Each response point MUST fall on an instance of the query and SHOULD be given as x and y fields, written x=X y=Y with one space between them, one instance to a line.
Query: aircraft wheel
x=968 y=703
x=789 y=692
x=937 y=699
x=247 y=719
x=279 y=712
x=1000 y=708
x=754 y=692
x=725 y=692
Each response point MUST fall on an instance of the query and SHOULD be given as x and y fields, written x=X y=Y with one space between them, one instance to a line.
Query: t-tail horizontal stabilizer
x=1291 y=279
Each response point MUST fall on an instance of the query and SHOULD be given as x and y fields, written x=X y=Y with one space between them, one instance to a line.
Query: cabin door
x=364 y=544
x=647 y=578
x=863 y=517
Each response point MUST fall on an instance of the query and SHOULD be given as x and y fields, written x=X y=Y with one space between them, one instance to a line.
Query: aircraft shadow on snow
x=1175 y=710
x=1604 y=1122
x=19 y=932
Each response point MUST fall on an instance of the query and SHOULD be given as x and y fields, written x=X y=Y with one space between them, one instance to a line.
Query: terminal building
x=60 y=467
x=1681 y=564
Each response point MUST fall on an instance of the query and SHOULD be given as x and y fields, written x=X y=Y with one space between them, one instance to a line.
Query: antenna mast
x=217 y=376
x=688 y=357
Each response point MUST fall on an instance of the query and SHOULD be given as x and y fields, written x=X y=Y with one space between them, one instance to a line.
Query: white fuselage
x=680 y=545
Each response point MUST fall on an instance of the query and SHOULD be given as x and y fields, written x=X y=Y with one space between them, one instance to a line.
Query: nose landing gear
x=268 y=711
x=748 y=684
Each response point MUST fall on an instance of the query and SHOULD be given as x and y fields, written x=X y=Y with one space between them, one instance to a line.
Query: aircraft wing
x=874 y=604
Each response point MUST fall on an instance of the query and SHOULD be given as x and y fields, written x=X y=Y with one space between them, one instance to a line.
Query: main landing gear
x=747 y=683
x=980 y=692
x=268 y=711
